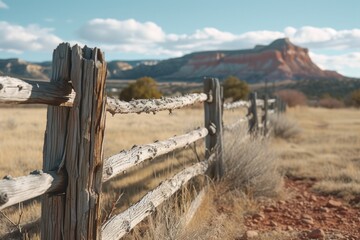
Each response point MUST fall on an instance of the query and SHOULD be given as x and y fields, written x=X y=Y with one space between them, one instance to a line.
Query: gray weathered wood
x=24 y=188
x=52 y=207
x=213 y=121
x=153 y=105
x=84 y=148
x=265 y=116
x=15 y=91
x=27 y=187
x=126 y=159
x=237 y=104
x=253 y=122
x=119 y=225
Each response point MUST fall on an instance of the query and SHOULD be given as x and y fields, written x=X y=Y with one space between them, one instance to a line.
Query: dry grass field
x=327 y=150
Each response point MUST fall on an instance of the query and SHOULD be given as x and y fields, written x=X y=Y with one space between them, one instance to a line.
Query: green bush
x=355 y=98
x=235 y=88
x=143 y=88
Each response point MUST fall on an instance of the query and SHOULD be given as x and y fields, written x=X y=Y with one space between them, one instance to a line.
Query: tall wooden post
x=77 y=215
x=252 y=110
x=213 y=122
x=52 y=207
x=265 y=115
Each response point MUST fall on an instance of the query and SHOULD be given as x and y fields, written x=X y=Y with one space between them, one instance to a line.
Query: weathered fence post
x=52 y=207
x=252 y=110
x=213 y=122
x=265 y=115
x=77 y=215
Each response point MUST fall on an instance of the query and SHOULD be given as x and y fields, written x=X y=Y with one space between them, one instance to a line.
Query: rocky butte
x=280 y=60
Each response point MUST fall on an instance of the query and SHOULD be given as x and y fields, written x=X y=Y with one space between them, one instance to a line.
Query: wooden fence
x=73 y=164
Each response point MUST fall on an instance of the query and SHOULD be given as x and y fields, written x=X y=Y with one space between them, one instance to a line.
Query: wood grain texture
x=237 y=104
x=126 y=159
x=17 y=91
x=119 y=225
x=27 y=187
x=252 y=110
x=52 y=206
x=213 y=122
x=84 y=148
x=153 y=105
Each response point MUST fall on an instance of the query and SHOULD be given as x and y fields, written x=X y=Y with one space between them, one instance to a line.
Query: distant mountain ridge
x=280 y=60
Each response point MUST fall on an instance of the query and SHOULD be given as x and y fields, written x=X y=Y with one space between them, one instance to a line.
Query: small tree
x=143 y=88
x=355 y=98
x=235 y=88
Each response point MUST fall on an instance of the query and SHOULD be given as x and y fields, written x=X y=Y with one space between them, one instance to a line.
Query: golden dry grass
x=327 y=150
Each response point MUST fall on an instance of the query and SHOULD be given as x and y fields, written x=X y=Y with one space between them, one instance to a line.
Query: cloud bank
x=151 y=41
x=18 y=39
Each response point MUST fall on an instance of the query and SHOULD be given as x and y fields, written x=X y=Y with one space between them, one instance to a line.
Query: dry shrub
x=284 y=128
x=292 y=97
x=330 y=102
x=251 y=166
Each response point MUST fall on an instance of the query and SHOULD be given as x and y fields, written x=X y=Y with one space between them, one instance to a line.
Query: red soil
x=306 y=211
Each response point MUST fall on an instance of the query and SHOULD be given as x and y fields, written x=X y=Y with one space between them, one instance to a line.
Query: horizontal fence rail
x=17 y=91
x=126 y=159
x=119 y=225
x=237 y=104
x=15 y=190
x=154 y=105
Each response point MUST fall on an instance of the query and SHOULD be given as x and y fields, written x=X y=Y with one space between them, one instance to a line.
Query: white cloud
x=112 y=31
x=324 y=38
x=17 y=39
x=3 y=5
x=347 y=64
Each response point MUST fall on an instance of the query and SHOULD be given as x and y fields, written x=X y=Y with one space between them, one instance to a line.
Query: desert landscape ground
x=318 y=168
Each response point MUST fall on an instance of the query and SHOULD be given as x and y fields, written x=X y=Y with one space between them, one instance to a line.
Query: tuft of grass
x=284 y=128
x=251 y=166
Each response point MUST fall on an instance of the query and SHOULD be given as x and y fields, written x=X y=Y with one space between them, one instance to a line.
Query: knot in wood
x=209 y=96
x=36 y=172
x=212 y=129
x=8 y=177
x=109 y=170
x=3 y=198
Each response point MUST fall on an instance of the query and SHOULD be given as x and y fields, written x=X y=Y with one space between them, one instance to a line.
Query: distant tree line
x=236 y=89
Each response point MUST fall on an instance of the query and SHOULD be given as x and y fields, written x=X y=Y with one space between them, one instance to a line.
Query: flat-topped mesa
x=280 y=60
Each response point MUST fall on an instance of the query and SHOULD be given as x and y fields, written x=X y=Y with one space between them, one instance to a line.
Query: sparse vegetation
x=235 y=89
x=355 y=98
x=292 y=97
x=282 y=127
x=143 y=88
x=329 y=102
x=251 y=166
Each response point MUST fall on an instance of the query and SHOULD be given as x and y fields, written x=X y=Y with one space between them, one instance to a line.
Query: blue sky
x=162 y=29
